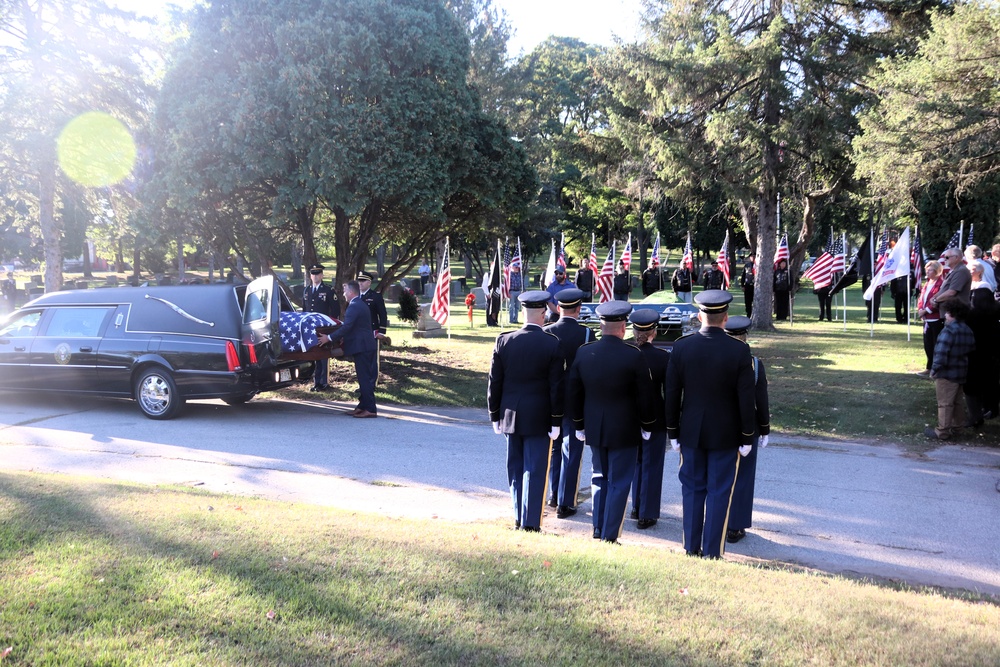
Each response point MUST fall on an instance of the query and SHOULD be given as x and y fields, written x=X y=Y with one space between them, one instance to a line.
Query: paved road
x=835 y=506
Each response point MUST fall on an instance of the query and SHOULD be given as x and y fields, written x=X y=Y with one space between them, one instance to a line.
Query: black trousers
x=825 y=303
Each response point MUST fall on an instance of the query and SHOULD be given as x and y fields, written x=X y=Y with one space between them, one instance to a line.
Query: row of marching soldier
x=551 y=392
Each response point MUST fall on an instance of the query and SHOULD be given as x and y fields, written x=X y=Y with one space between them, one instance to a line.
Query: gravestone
x=427 y=326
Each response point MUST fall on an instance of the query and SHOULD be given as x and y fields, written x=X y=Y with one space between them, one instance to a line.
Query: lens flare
x=96 y=150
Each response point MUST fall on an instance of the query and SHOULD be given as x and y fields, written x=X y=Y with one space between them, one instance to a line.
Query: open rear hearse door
x=261 y=308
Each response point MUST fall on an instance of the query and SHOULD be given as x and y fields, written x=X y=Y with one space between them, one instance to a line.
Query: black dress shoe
x=734 y=536
x=532 y=529
x=553 y=502
x=646 y=523
x=696 y=554
x=517 y=525
x=319 y=387
x=597 y=533
x=563 y=511
x=634 y=514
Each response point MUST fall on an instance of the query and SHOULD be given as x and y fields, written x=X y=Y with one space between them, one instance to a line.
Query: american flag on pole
x=561 y=257
x=954 y=242
x=883 y=250
x=917 y=258
x=441 y=304
x=505 y=283
x=840 y=254
x=781 y=253
x=627 y=254
x=724 y=261
x=972 y=226
x=821 y=272
x=607 y=275
x=655 y=260
x=688 y=259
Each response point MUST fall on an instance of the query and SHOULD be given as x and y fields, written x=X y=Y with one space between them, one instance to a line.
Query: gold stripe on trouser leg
x=378 y=359
x=729 y=505
x=545 y=483
x=576 y=490
x=680 y=462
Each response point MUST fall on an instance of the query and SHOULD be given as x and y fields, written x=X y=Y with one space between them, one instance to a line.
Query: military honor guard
x=647 y=484
x=741 y=512
x=710 y=414
x=376 y=304
x=525 y=400
x=611 y=399
x=318 y=297
x=566 y=456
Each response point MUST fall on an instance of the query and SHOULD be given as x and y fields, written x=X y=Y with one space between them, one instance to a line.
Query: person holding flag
x=585 y=279
x=782 y=281
x=681 y=281
x=651 y=279
x=623 y=279
x=821 y=275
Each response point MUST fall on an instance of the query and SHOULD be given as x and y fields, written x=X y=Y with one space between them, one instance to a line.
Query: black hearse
x=158 y=345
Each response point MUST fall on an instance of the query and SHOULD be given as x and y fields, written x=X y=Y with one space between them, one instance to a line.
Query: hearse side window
x=256 y=306
x=76 y=322
x=23 y=326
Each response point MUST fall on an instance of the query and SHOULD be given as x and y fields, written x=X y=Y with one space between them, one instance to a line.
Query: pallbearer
x=741 y=512
x=567 y=453
x=710 y=418
x=611 y=400
x=647 y=484
x=525 y=400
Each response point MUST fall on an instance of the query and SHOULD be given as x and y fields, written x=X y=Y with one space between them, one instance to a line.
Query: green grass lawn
x=825 y=379
x=98 y=573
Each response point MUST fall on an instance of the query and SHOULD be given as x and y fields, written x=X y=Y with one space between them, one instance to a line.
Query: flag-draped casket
x=300 y=335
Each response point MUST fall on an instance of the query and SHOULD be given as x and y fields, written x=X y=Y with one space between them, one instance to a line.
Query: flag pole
x=871 y=256
x=909 y=272
x=844 y=237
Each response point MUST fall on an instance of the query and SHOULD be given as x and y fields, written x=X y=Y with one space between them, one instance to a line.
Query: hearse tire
x=156 y=393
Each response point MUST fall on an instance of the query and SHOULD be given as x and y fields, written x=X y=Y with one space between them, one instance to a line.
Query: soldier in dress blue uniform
x=525 y=400
x=741 y=513
x=710 y=415
x=566 y=456
x=380 y=319
x=647 y=485
x=611 y=400
x=318 y=297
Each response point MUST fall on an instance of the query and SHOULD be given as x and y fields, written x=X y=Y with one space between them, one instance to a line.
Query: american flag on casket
x=298 y=330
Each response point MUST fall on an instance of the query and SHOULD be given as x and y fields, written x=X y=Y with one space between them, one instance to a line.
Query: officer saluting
x=318 y=297
x=647 y=485
x=525 y=400
x=710 y=418
x=567 y=453
x=611 y=400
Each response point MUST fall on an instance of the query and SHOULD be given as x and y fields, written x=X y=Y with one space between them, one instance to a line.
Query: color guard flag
x=561 y=257
x=593 y=254
x=896 y=265
x=724 y=261
x=441 y=304
x=821 y=271
x=883 y=248
x=627 y=254
x=688 y=259
x=781 y=253
x=607 y=276
x=550 y=269
x=917 y=258
x=505 y=284
x=655 y=259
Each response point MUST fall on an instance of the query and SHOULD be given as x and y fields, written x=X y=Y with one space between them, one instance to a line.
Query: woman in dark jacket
x=982 y=386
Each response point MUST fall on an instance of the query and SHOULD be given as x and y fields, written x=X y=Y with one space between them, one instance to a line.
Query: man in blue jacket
x=359 y=342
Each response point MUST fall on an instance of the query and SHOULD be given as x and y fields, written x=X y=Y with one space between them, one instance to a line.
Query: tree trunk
x=50 y=227
x=181 y=267
x=88 y=268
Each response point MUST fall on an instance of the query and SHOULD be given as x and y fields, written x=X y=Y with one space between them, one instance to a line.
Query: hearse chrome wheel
x=157 y=395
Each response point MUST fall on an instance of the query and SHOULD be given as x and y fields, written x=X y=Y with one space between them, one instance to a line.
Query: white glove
x=745 y=449
x=581 y=436
x=645 y=434
x=674 y=445
x=496 y=428
x=762 y=442
x=554 y=433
